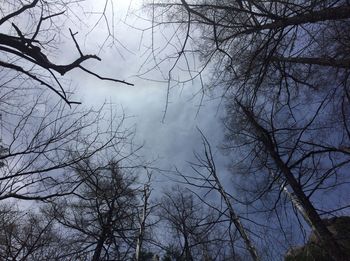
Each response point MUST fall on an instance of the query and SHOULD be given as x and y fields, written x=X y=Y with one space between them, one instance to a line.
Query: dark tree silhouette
x=25 y=48
x=284 y=71
x=102 y=218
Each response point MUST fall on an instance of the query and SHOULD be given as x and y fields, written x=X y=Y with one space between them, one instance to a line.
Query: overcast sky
x=166 y=121
x=172 y=141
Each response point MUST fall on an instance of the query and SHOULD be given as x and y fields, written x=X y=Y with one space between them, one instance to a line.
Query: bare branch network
x=26 y=45
x=282 y=68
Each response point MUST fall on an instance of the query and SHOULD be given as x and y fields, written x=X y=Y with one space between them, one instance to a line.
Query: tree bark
x=318 y=226
x=233 y=216
x=332 y=13
x=236 y=221
x=335 y=13
x=188 y=255
x=146 y=194
x=106 y=229
x=98 y=249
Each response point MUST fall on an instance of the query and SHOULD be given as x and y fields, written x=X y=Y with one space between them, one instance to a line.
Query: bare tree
x=251 y=42
x=41 y=140
x=194 y=230
x=145 y=212
x=101 y=219
x=284 y=70
x=30 y=30
x=53 y=152
x=206 y=178
x=293 y=159
x=26 y=235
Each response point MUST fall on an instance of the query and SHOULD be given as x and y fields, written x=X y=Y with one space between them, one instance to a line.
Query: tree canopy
x=74 y=185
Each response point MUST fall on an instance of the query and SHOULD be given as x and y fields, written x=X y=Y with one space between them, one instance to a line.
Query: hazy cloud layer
x=171 y=142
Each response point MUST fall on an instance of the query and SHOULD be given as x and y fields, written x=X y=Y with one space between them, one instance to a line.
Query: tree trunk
x=335 y=13
x=327 y=14
x=99 y=246
x=147 y=193
x=233 y=216
x=187 y=250
x=106 y=229
x=236 y=221
x=318 y=226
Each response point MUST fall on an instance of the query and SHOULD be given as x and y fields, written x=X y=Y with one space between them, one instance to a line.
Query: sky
x=169 y=138
x=166 y=120
x=166 y=125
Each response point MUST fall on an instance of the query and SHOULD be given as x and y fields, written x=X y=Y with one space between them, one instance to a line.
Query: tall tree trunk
x=98 y=248
x=295 y=201
x=146 y=195
x=233 y=216
x=327 y=14
x=334 y=13
x=236 y=221
x=187 y=250
x=318 y=226
x=106 y=229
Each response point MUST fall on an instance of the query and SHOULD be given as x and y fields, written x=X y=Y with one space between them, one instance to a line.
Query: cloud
x=172 y=141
